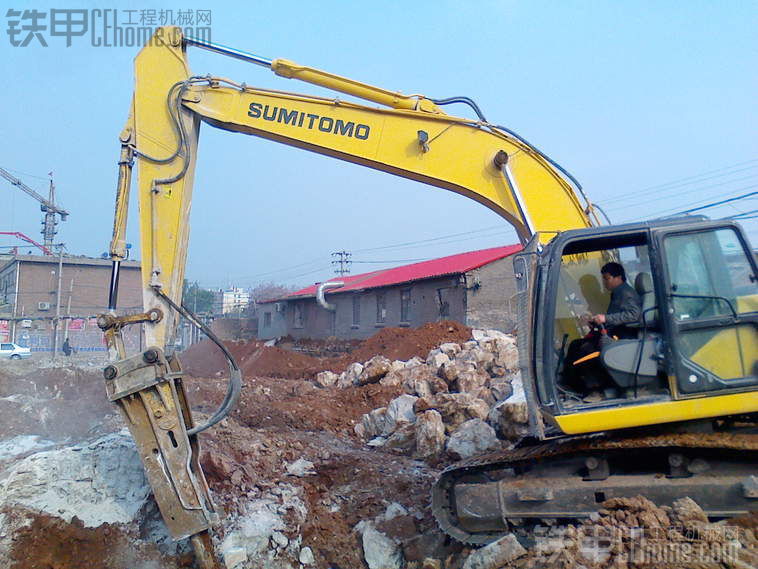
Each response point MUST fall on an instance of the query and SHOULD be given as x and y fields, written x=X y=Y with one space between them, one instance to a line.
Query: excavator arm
x=410 y=136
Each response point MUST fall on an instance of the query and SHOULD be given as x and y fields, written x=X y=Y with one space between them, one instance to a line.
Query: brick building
x=475 y=288
x=29 y=295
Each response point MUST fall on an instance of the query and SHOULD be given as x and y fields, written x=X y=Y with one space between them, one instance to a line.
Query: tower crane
x=47 y=206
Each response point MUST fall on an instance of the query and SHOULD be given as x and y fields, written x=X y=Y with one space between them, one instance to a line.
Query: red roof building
x=475 y=288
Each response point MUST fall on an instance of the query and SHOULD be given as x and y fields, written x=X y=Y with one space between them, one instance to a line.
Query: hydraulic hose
x=234 y=388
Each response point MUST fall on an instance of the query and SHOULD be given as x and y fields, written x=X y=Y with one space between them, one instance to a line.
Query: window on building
x=356 y=310
x=405 y=305
x=443 y=302
x=381 y=307
x=267 y=319
x=299 y=317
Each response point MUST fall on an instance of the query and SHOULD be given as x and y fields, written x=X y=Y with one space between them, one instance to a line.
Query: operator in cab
x=624 y=308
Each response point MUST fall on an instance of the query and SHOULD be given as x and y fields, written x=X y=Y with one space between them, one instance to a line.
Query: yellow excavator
x=680 y=420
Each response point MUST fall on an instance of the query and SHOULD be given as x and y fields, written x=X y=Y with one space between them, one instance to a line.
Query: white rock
x=394 y=377
x=280 y=539
x=344 y=380
x=350 y=376
x=255 y=527
x=394 y=510
x=496 y=554
x=498 y=335
x=374 y=370
x=403 y=439
x=436 y=360
x=414 y=361
x=430 y=434
x=326 y=378
x=511 y=416
x=419 y=381
x=469 y=381
x=399 y=409
x=451 y=349
x=478 y=335
x=419 y=386
x=471 y=438
x=397 y=365
x=456 y=408
x=501 y=390
x=373 y=423
x=301 y=467
x=100 y=482
x=478 y=356
x=518 y=390
x=451 y=370
x=234 y=556
x=507 y=355
x=306 y=556
x=377 y=442
x=379 y=551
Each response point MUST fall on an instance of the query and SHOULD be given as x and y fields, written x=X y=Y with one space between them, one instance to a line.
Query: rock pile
x=463 y=400
x=633 y=533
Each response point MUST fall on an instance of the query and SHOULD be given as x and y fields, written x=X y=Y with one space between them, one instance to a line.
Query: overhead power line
x=502 y=226
x=687 y=180
x=714 y=204
x=393 y=261
x=673 y=191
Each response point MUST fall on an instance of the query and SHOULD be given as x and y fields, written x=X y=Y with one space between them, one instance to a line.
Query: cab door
x=711 y=307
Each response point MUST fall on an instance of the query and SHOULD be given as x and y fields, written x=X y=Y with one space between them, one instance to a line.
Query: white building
x=233 y=300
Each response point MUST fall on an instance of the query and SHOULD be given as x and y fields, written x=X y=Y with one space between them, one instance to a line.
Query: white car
x=14 y=351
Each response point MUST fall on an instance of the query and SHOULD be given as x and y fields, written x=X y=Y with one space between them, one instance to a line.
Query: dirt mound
x=205 y=359
x=56 y=403
x=42 y=541
x=293 y=404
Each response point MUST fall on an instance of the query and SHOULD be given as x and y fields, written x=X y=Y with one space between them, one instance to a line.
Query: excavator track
x=475 y=500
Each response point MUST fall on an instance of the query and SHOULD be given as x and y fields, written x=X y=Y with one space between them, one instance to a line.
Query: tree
x=197 y=299
x=270 y=291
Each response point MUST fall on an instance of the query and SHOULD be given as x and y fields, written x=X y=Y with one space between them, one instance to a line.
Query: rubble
x=471 y=438
x=379 y=551
x=325 y=469
x=496 y=554
x=429 y=435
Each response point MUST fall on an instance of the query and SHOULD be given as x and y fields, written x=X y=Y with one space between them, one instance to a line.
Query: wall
x=84 y=288
x=490 y=299
x=320 y=323
x=234 y=328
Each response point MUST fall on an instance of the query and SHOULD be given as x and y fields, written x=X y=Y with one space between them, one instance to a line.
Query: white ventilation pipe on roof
x=322 y=289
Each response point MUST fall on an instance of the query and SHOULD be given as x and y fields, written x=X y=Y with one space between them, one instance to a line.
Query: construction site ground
x=288 y=456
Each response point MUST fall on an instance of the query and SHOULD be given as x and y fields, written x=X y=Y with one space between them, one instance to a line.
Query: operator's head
x=613 y=275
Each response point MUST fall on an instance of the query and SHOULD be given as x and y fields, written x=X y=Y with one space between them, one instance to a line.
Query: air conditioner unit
x=26 y=323
x=43 y=306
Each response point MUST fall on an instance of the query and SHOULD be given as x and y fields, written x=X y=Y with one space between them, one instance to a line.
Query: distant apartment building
x=232 y=301
x=30 y=290
x=475 y=288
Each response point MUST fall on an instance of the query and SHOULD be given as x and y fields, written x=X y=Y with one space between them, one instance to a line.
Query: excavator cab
x=697 y=334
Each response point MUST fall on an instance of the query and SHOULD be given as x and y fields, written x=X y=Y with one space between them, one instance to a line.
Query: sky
x=651 y=105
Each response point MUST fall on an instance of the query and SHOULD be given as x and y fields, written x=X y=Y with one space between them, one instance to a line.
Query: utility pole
x=342 y=262
x=57 y=303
